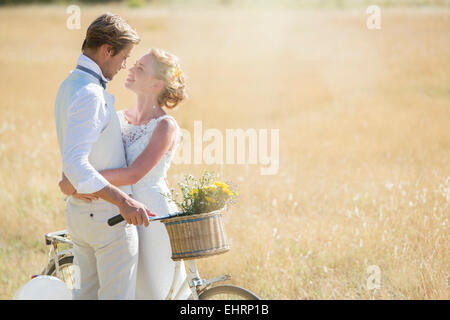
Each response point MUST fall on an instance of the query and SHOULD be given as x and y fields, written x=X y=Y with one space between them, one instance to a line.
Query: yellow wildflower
x=194 y=192
x=220 y=184
x=228 y=192
x=224 y=187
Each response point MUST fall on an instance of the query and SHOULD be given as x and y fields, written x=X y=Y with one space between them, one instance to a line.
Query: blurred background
x=363 y=114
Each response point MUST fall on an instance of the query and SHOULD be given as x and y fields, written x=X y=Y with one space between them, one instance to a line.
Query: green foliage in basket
x=202 y=195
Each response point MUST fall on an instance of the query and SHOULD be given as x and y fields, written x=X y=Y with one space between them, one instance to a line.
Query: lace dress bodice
x=136 y=138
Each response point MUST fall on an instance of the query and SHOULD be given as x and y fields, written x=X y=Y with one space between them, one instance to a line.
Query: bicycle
x=60 y=265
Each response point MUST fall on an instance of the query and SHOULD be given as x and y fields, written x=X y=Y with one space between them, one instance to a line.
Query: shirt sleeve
x=86 y=119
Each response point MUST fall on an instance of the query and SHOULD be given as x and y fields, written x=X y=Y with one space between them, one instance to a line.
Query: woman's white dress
x=155 y=268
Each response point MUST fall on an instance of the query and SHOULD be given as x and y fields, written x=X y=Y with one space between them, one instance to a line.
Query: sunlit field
x=364 y=140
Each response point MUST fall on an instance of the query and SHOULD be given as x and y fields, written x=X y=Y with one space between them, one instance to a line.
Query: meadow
x=364 y=140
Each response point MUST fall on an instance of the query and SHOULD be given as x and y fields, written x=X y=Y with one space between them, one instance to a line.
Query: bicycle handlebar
x=117 y=219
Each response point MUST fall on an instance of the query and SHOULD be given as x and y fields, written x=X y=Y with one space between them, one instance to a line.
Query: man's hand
x=85 y=197
x=135 y=212
x=131 y=210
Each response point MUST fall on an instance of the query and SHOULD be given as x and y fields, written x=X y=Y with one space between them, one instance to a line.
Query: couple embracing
x=116 y=163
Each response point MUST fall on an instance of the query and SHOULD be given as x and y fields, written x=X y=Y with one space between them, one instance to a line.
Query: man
x=89 y=139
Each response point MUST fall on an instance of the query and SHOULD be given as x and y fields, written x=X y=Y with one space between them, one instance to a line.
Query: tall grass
x=364 y=174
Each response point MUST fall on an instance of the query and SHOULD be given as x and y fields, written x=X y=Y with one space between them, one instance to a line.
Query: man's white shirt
x=88 y=115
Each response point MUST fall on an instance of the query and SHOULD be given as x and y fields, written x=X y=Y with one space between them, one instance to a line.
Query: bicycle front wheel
x=228 y=292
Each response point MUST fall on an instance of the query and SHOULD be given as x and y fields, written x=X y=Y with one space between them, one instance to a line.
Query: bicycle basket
x=197 y=236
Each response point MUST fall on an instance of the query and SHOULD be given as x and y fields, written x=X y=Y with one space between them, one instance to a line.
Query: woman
x=151 y=138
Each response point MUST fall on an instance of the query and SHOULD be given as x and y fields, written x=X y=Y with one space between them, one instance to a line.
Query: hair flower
x=178 y=73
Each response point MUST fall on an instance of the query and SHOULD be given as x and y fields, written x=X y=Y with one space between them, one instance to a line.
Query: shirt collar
x=87 y=62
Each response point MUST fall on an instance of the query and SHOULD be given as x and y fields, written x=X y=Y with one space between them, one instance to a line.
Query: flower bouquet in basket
x=198 y=231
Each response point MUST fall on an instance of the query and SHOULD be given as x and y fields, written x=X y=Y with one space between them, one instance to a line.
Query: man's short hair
x=110 y=29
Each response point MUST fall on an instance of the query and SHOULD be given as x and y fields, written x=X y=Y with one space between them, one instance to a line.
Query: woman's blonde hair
x=167 y=69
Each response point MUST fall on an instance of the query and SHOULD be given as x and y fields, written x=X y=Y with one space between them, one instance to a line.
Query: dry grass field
x=364 y=119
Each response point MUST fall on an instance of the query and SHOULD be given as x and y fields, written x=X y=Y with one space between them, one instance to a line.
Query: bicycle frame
x=196 y=284
x=53 y=239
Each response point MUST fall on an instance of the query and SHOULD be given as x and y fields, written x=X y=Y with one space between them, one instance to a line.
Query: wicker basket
x=197 y=236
